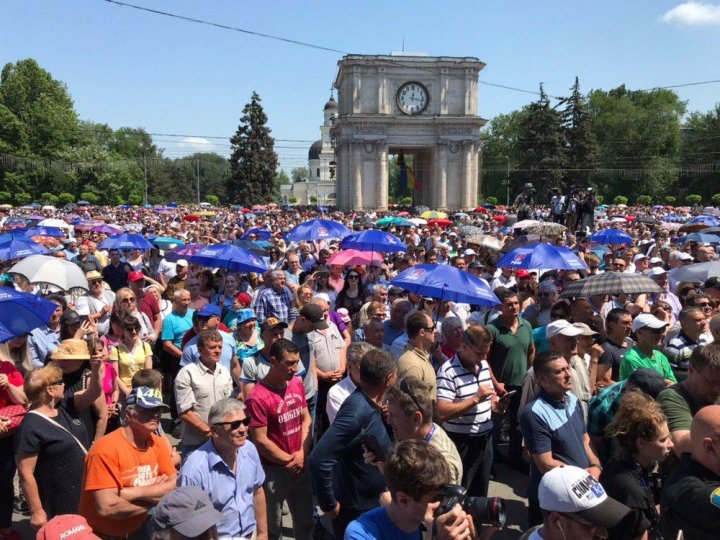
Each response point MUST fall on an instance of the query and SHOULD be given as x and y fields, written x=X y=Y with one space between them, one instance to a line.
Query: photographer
x=416 y=474
x=524 y=201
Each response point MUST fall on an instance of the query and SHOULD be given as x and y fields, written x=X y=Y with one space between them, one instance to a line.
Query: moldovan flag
x=406 y=174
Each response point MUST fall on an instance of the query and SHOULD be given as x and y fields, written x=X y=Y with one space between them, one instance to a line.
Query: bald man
x=691 y=496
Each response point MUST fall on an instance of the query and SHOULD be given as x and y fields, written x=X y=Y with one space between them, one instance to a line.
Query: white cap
x=656 y=260
x=470 y=251
x=323 y=296
x=639 y=256
x=656 y=271
x=566 y=328
x=571 y=490
x=646 y=320
x=685 y=256
x=181 y=262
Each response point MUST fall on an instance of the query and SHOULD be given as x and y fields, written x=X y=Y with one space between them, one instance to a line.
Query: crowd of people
x=172 y=400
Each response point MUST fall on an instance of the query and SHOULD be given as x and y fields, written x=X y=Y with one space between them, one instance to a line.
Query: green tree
x=620 y=199
x=701 y=147
x=693 y=199
x=292 y=200
x=214 y=170
x=500 y=151
x=212 y=199
x=582 y=146
x=253 y=162
x=5 y=197
x=492 y=200
x=313 y=199
x=541 y=148
x=49 y=198
x=299 y=174
x=282 y=179
x=670 y=199
x=90 y=197
x=66 y=198
x=644 y=200
x=23 y=198
x=716 y=199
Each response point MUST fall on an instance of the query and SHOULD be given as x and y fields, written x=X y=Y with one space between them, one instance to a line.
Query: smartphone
x=510 y=394
x=373 y=445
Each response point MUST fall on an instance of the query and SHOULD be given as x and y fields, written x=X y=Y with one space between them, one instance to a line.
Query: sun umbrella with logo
x=445 y=282
x=229 y=257
x=126 y=241
x=611 y=237
x=374 y=240
x=18 y=247
x=53 y=232
x=317 y=229
x=611 y=283
x=21 y=313
x=542 y=257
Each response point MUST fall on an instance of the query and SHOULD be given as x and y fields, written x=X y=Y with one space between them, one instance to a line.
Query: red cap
x=66 y=527
x=244 y=298
x=136 y=275
x=522 y=273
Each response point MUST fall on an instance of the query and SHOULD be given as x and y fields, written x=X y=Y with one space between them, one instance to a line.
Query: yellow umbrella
x=205 y=214
x=5 y=206
x=433 y=214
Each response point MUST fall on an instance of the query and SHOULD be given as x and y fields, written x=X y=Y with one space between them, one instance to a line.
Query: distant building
x=321 y=166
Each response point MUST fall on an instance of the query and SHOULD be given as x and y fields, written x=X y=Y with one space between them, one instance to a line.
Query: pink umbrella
x=352 y=257
x=106 y=229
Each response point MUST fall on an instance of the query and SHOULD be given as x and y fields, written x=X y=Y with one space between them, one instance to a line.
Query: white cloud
x=197 y=144
x=693 y=14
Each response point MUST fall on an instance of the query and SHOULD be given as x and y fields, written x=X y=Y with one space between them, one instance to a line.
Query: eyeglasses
x=235 y=424
x=353 y=276
x=129 y=299
x=704 y=305
x=405 y=389
x=132 y=330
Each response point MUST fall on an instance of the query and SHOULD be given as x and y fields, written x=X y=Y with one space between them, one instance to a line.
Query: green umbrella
x=388 y=221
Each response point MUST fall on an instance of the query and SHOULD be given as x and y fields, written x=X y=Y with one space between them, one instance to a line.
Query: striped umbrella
x=611 y=283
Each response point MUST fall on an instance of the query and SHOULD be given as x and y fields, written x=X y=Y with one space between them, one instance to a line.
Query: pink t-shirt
x=281 y=411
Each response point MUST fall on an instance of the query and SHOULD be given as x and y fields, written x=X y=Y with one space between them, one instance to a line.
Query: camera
x=484 y=510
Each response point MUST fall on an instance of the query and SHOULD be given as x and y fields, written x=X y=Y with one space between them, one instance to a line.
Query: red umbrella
x=500 y=218
x=191 y=217
x=440 y=222
x=630 y=219
x=480 y=209
x=245 y=210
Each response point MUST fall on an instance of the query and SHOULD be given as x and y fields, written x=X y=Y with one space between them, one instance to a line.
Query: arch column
x=382 y=176
x=356 y=177
x=440 y=197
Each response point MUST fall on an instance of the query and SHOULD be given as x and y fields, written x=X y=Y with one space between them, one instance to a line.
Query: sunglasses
x=236 y=424
x=353 y=276
x=129 y=299
x=132 y=330
x=405 y=389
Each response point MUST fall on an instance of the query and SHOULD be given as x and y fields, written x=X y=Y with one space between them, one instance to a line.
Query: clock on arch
x=412 y=98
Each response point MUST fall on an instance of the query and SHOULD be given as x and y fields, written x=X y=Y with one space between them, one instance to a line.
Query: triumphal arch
x=416 y=105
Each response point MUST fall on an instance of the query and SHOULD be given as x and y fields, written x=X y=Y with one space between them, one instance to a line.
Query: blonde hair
x=639 y=415
x=38 y=380
x=298 y=295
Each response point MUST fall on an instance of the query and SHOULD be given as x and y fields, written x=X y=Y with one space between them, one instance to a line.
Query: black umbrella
x=611 y=283
x=646 y=220
x=521 y=241
x=711 y=230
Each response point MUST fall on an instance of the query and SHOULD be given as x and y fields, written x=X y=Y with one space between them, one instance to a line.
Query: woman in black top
x=643 y=439
x=52 y=442
x=351 y=295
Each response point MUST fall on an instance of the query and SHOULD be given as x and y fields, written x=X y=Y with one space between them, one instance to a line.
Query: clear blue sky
x=126 y=67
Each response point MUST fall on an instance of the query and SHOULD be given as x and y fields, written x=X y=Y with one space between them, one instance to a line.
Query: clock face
x=412 y=98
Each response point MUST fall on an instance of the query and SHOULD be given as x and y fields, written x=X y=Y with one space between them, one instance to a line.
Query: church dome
x=315 y=149
x=332 y=104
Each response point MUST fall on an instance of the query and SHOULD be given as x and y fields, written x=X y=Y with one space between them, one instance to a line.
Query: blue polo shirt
x=231 y=493
x=376 y=525
x=549 y=425
x=175 y=326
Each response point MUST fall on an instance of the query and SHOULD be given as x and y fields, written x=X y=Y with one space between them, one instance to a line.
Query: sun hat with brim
x=645 y=320
x=67 y=527
x=186 y=510
x=93 y=274
x=561 y=327
x=245 y=315
x=71 y=349
x=571 y=490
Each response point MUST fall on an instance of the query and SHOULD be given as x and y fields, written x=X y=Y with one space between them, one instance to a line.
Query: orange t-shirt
x=114 y=463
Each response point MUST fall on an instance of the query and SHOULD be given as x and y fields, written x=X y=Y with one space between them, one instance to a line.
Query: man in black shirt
x=691 y=496
x=116 y=272
x=618 y=325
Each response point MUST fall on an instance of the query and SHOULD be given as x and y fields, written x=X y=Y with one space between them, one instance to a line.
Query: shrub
x=313 y=199
x=5 y=197
x=670 y=200
x=212 y=199
x=693 y=200
x=620 y=200
x=135 y=199
x=716 y=199
x=23 y=198
x=600 y=198
x=66 y=198
x=292 y=200
x=644 y=200
x=90 y=197
x=49 y=198
x=492 y=200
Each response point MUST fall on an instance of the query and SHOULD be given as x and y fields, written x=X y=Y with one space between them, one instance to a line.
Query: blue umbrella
x=19 y=248
x=322 y=208
x=709 y=221
x=126 y=241
x=542 y=257
x=20 y=313
x=166 y=242
x=125 y=207
x=54 y=232
x=445 y=282
x=262 y=234
x=700 y=238
x=611 y=237
x=259 y=247
x=172 y=205
x=373 y=240
x=10 y=221
x=229 y=257
x=35 y=205
x=183 y=252
x=83 y=203
x=317 y=229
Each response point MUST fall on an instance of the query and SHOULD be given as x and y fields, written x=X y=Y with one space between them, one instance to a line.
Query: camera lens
x=486 y=510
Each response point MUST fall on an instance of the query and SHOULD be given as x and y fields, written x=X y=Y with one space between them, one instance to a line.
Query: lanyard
x=429 y=435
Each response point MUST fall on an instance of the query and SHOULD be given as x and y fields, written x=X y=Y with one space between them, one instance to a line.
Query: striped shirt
x=456 y=383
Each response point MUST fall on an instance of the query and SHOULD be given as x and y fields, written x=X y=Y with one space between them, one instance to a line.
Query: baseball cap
x=145 y=398
x=523 y=272
x=272 y=322
x=136 y=275
x=209 y=310
x=181 y=262
x=685 y=256
x=566 y=328
x=646 y=320
x=344 y=314
x=245 y=315
x=656 y=260
x=187 y=510
x=70 y=317
x=314 y=314
x=571 y=490
x=639 y=256
x=656 y=271
x=66 y=527
x=470 y=251
x=323 y=296
x=648 y=380
x=244 y=298
x=712 y=283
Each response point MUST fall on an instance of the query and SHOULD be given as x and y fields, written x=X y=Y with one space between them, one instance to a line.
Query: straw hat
x=71 y=349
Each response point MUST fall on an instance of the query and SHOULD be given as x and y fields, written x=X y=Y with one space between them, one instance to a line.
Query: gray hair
x=179 y=292
x=276 y=274
x=356 y=350
x=450 y=323
x=223 y=408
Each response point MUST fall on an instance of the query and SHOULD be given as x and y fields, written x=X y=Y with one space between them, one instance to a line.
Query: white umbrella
x=48 y=208
x=417 y=221
x=618 y=220
x=525 y=223
x=53 y=222
x=45 y=270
